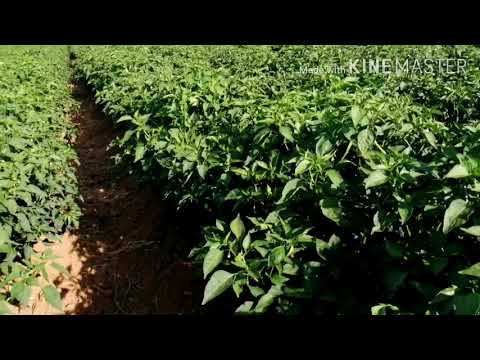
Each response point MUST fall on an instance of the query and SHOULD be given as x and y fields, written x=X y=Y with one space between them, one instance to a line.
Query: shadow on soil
x=131 y=245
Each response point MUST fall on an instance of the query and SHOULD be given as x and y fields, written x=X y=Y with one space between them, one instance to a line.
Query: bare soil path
x=126 y=257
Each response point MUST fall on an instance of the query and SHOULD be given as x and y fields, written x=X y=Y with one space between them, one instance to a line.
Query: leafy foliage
x=37 y=182
x=342 y=194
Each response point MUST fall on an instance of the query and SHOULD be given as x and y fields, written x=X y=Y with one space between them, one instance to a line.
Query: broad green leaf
x=237 y=227
x=262 y=251
x=334 y=177
x=457 y=172
x=124 y=118
x=238 y=286
x=219 y=225
x=468 y=304
x=289 y=188
x=302 y=167
x=213 y=258
x=21 y=292
x=256 y=291
x=430 y=138
x=219 y=282
x=382 y=309
x=287 y=133
x=272 y=218
x=473 y=230
x=473 y=270
x=331 y=209
x=320 y=246
x=357 y=115
x=202 y=170
x=139 y=152
x=277 y=255
x=456 y=215
x=11 y=206
x=52 y=296
x=268 y=299
x=376 y=178
x=444 y=294
x=405 y=210
x=245 y=308
x=246 y=241
x=4 y=237
x=323 y=146
x=365 y=140
x=24 y=223
x=290 y=269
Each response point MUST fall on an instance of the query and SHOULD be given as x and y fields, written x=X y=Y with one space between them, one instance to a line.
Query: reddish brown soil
x=127 y=254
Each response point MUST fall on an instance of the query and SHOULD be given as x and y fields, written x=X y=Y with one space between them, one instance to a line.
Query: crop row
x=38 y=189
x=334 y=192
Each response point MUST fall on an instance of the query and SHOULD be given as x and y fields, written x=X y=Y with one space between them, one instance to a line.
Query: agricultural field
x=308 y=191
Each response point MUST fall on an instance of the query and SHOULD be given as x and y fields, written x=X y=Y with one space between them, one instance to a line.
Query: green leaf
x=202 y=170
x=376 y=178
x=246 y=241
x=268 y=299
x=473 y=230
x=262 y=251
x=473 y=270
x=35 y=190
x=24 y=223
x=302 y=167
x=139 y=152
x=334 y=177
x=52 y=296
x=245 y=308
x=238 y=286
x=323 y=146
x=4 y=310
x=457 y=172
x=219 y=282
x=331 y=209
x=467 y=304
x=357 y=115
x=444 y=294
x=287 y=133
x=4 y=237
x=365 y=141
x=320 y=246
x=290 y=269
x=11 y=206
x=256 y=291
x=430 y=138
x=219 y=225
x=277 y=255
x=237 y=227
x=405 y=210
x=21 y=292
x=456 y=215
x=124 y=118
x=289 y=188
x=272 y=218
x=382 y=309
x=213 y=258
